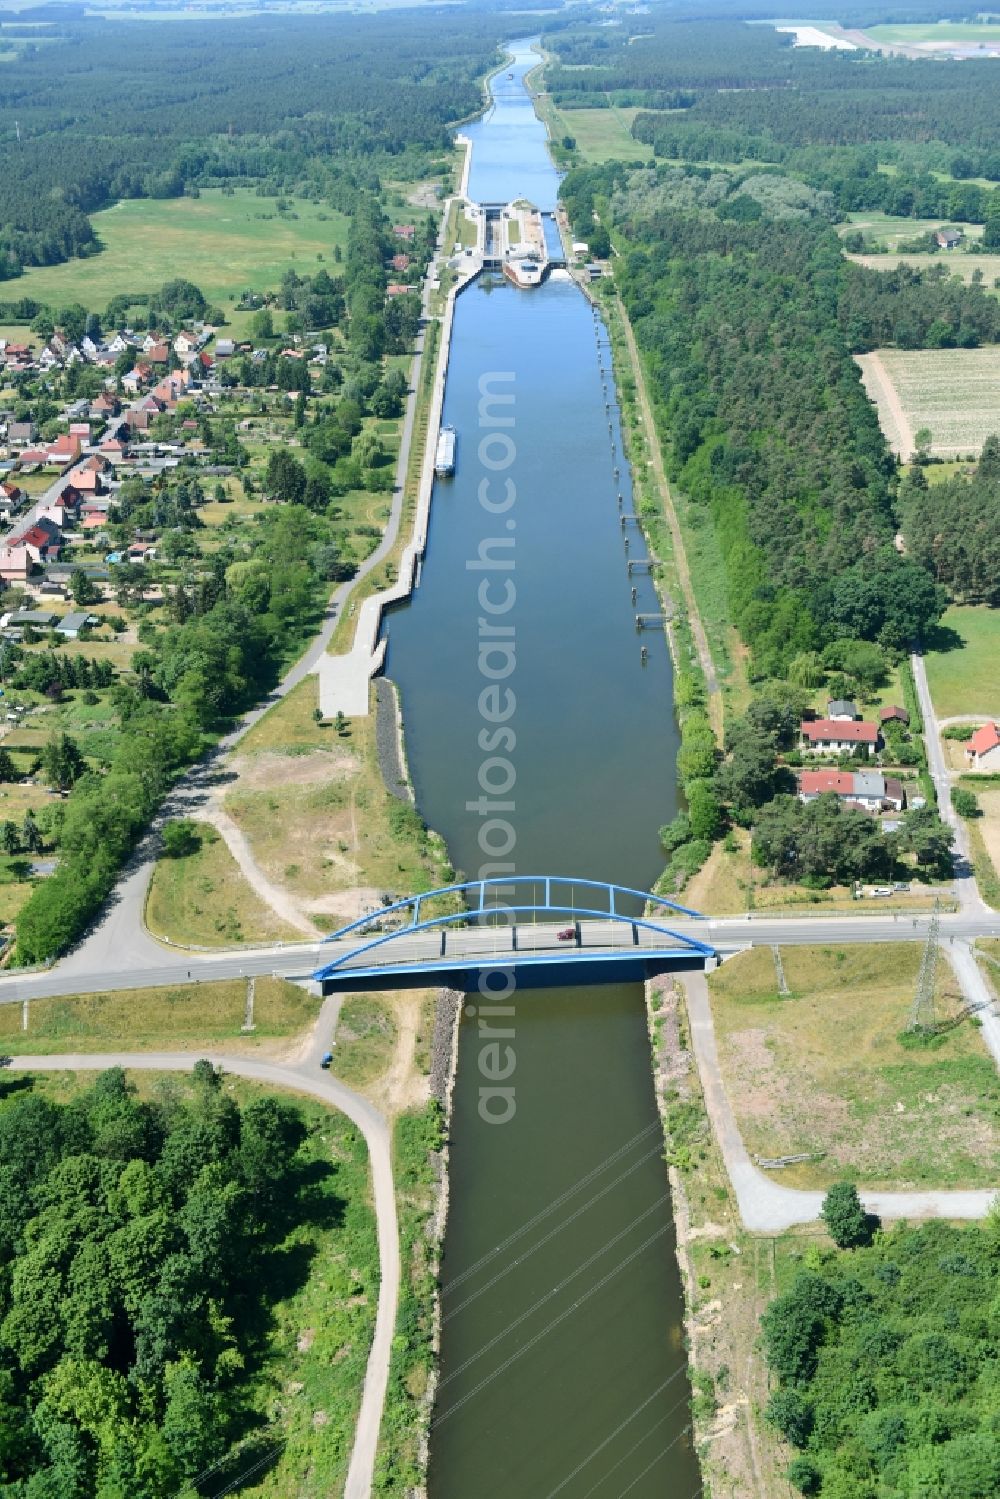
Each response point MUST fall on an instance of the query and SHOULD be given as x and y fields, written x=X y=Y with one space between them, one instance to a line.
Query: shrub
x=966 y=803
x=180 y=838
x=848 y=1224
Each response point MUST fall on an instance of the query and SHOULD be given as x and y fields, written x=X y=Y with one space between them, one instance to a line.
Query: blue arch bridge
x=542 y=930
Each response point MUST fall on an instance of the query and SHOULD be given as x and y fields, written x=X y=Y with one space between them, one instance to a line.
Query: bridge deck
x=597 y=949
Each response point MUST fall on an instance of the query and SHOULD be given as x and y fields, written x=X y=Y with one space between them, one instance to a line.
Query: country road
x=91 y=970
x=305 y=1077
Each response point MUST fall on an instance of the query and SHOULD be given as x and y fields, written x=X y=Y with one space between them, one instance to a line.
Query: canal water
x=563 y=1370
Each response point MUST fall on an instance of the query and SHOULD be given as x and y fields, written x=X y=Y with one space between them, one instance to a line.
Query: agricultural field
x=223 y=244
x=889 y=229
x=961 y=265
x=938 y=36
x=954 y=393
x=962 y=661
x=827 y=1069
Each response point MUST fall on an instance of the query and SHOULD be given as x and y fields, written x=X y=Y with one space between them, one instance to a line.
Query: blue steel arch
x=466 y=914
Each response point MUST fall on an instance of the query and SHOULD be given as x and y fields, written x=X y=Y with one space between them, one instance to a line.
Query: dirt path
x=680 y=555
x=402 y=1086
x=277 y=899
x=879 y=386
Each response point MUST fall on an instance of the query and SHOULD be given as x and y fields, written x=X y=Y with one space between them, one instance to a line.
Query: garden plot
x=954 y=393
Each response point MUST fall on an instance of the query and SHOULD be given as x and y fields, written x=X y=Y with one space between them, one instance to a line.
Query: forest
x=953 y=528
x=319 y=105
x=747 y=313
x=743 y=93
x=141 y=1250
x=886 y=1359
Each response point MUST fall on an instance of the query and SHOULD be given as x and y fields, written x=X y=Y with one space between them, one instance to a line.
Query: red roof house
x=983 y=749
x=834 y=736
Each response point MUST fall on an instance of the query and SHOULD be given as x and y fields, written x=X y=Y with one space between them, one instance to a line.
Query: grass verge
x=203 y=900
x=179 y=1018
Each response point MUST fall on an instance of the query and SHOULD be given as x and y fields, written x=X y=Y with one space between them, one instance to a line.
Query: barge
x=444 y=458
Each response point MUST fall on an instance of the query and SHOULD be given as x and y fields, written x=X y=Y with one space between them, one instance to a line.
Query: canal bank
x=562 y=1362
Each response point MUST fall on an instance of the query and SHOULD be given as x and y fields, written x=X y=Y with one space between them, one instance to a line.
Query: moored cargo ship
x=444 y=458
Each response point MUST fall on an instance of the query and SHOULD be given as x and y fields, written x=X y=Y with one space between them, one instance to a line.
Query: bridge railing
x=480 y=888
x=547 y=907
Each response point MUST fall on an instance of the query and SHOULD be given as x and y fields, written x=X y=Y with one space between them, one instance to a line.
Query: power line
x=923 y=1021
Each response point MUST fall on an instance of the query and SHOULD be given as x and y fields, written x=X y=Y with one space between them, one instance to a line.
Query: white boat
x=444 y=458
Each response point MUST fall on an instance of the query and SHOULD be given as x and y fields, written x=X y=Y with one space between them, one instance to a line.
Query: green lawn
x=223 y=244
x=963 y=677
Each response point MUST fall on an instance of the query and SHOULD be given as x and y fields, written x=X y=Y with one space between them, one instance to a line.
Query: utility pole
x=922 y=1017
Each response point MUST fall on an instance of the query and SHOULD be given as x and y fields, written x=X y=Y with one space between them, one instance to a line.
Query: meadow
x=962 y=661
x=827 y=1068
x=891 y=229
x=601 y=134
x=224 y=244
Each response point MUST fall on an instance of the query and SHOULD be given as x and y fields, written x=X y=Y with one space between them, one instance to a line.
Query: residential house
x=15 y=564
x=35 y=619
x=121 y=341
x=841 y=709
x=11 y=494
x=185 y=344
x=65 y=448
x=397 y=289
x=824 y=736
x=401 y=262
x=42 y=539
x=893 y=714
x=864 y=788
x=983 y=749
x=80 y=430
x=404 y=231
x=224 y=348
x=89 y=347
x=71 y=624
x=54 y=513
x=31 y=457
x=20 y=433
x=948 y=239
x=105 y=406
x=114 y=449
x=157 y=353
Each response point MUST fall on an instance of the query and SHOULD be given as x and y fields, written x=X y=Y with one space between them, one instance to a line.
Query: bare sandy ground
x=891 y=415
